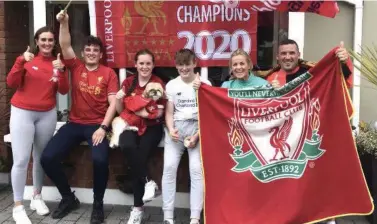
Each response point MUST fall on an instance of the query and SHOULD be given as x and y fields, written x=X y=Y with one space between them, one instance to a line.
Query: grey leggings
x=29 y=130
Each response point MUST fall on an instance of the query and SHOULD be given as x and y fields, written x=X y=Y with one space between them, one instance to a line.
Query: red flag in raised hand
x=281 y=156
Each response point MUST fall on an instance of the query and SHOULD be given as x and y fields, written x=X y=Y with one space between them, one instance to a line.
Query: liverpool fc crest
x=275 y=134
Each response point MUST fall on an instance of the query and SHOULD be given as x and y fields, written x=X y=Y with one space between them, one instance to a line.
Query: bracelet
x=104 y=127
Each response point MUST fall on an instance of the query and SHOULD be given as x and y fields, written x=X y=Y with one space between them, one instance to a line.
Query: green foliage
x=366 y=139
x=368 y=62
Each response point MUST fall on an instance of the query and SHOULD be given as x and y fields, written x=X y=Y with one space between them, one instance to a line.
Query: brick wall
x=78 y=168
x=14 y=38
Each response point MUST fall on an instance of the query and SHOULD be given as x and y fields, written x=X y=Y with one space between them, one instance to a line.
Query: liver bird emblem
x=126 y=20
x=152 y=13
x=279 y=137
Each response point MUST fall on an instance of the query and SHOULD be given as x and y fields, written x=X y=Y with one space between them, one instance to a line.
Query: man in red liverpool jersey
x=93 y=107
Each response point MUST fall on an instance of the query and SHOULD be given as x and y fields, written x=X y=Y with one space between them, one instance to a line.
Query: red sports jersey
x=90 y=91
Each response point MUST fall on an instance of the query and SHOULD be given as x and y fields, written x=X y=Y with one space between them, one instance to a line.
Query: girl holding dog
x=137 y=147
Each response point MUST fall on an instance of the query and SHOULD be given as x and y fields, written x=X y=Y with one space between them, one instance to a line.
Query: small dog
x=128 y=120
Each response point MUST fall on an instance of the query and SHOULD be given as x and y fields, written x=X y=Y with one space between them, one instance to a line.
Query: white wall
x=323 y=33
x=368 y=93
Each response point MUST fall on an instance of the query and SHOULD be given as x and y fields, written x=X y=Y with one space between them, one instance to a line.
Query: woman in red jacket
x=37 y=76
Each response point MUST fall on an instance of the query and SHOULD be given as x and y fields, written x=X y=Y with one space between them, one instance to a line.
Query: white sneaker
x=168 y=221
x=20 y=216
x=39 y=205
x=135 y=217
x=194 y=221
x=150 y=191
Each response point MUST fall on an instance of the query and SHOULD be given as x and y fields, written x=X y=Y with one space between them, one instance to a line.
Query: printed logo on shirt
x=92 y=90
x=179 y=93
x=99 y=79
x=84 y=75
x=35 y=68
x=186 y=103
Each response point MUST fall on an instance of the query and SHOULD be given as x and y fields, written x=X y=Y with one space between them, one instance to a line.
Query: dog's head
x=153 y=90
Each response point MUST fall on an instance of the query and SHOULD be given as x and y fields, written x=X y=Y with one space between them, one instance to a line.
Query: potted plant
x=366 y=135
x=366 y=142
x=366 y=139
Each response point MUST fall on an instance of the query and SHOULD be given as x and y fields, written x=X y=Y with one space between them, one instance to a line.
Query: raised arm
x=65 y=36
x=346 y=63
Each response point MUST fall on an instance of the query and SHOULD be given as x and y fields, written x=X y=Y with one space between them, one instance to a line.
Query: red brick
x=112 y=185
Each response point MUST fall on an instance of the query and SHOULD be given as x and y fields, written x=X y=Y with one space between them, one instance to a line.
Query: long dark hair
x=45 y=29
x=134 y=81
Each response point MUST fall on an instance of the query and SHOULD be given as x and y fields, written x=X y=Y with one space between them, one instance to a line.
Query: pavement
x=115 y=214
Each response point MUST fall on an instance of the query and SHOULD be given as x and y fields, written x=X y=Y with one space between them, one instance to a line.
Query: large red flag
x=283 y=156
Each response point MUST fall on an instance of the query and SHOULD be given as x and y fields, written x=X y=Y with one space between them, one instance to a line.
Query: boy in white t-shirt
x=181 y=117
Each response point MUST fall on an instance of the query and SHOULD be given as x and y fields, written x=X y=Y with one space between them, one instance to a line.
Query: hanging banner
x=212 y=29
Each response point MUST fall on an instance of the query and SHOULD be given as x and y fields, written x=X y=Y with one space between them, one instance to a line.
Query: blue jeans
x=68 y=136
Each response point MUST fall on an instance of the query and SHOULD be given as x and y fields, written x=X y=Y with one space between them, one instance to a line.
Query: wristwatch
x=104 y=127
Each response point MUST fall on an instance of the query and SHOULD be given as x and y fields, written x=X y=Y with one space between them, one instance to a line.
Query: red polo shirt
x=90 y=91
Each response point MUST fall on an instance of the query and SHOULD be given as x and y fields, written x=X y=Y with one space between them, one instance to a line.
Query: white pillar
x=357 y=40
x=92 y=17
x=122 y=75
x=296 y=29
x=204 y=72
x=39 y=14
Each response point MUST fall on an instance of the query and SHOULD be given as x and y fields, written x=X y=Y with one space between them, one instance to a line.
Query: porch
x=115 y=214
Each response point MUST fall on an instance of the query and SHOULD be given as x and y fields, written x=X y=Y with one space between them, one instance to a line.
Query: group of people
x=40 y=73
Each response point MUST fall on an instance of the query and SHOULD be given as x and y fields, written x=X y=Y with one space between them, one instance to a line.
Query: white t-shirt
x=183 y=96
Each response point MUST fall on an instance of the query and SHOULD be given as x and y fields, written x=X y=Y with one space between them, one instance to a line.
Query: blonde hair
x=238 y=52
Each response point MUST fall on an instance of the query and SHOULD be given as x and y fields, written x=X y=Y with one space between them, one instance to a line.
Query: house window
x=79 y=28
